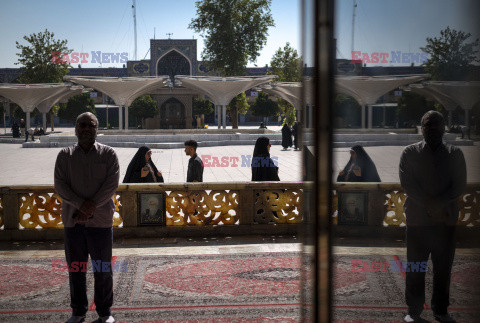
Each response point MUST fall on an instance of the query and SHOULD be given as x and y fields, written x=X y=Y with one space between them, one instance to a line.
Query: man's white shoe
x=76 y=319
x=410 y=318
x=105 y=319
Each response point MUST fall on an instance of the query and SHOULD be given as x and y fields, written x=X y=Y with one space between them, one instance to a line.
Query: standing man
x=433 y=175
x=86 y=177
x=195 y=164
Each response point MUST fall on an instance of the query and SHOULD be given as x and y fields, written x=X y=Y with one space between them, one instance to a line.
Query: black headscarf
x=267 y=171
x=367 y=166
x=261 y=147
x=134 y=169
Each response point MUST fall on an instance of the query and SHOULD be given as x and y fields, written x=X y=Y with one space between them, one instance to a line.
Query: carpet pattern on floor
x=259 y=287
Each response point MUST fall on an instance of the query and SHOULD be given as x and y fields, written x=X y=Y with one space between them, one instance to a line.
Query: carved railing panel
x=394 y=214
x=202 y=207
x=117 y=219
x=278 y=206
x=39 y=210
x=469 y=205
x=43 y=210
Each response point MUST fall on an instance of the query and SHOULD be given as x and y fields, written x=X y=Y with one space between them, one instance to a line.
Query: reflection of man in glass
x=433 y=175
x=152 y=213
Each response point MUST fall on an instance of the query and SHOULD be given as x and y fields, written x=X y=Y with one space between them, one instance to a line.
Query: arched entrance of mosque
x=172 y=113
x=173 y=63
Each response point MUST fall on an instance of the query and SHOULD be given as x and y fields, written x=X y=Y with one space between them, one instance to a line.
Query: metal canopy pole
x=224 y=116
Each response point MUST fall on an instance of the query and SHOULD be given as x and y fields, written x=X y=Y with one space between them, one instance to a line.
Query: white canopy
x=221 y=90
x=123 y=90
x=447 y=102
x=66 y=93
x=289 y=91
x=466 y=94
x=29 y=96
x=368 y=89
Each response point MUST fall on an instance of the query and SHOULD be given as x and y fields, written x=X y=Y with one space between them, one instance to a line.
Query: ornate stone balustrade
x=385 y=203
x=251 y=206
x=197 y=204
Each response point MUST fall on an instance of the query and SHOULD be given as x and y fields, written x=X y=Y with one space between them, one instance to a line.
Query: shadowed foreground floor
x=223 y=281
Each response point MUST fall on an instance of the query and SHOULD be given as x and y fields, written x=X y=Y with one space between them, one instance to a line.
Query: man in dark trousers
x=433 y=175
x=195 y=164
x=86 y=177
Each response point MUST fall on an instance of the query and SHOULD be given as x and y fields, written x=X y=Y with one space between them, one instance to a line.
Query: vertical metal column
x=120 y=115
x=126 y=118
x=224 y=116
x=370 y=109
x=44 y=121
x=362 y=125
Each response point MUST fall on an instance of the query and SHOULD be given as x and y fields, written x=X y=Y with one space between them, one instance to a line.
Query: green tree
x=53 y=112
x=19 y=114
x=202 y=106
x=143 y=107
x=348 y=109
x=36 y=58
x=290 y=117
x=238 y=105
x=235 y=32
x=76 y=105
x=411 y=107
x=286 y=64
x=264 y=106
x=450 y=55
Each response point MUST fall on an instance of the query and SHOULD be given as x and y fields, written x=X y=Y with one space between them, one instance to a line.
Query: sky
x=107 y=26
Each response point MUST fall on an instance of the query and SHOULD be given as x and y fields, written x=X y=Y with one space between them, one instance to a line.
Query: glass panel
x=394 y=62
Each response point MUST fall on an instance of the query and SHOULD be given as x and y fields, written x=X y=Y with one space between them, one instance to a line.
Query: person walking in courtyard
x=263 y=166
x=22 y=127
x=295 y=130
x=142 y=169
x=195 y=163
x=86 y=177
x=286 y=136
x=433 y=175
x=15 y=130
x=360 y=167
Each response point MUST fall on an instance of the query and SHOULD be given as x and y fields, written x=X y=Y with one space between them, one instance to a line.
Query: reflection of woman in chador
x=360 y=168
x=142 y=169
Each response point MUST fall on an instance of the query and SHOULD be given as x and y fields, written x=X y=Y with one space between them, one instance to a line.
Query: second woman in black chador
x=142 y=169
x=286 y=136
x=263 y=167
x=360 y=167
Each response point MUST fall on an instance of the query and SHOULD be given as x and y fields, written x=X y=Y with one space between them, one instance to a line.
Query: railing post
x=129 y=209
x=10 y=210
x=246 y=205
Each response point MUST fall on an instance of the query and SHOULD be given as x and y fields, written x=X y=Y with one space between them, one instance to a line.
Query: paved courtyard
x=34 y=166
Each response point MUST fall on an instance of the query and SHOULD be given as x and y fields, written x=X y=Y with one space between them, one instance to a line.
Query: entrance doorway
x=172 y=114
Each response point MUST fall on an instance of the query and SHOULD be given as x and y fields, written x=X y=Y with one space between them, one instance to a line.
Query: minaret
x=134 y=7
x=353 y=25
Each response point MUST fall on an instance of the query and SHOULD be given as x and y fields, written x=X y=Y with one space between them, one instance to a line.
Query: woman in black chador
x=142 y=169
x=286 y=136
x=15 y=130
x=360 y=168
x=263 y=167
